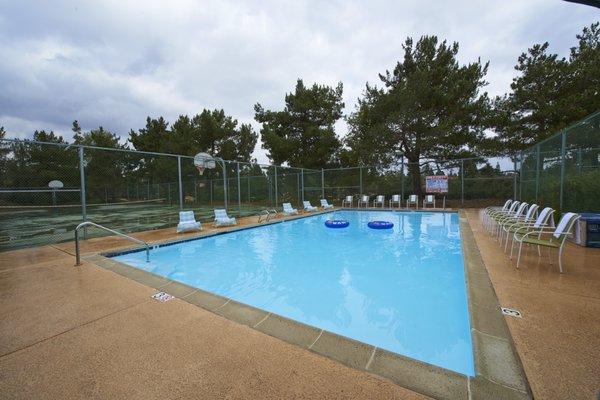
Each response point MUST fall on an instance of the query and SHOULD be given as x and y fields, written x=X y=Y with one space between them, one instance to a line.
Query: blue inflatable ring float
x=380 y=225
x=337 y=223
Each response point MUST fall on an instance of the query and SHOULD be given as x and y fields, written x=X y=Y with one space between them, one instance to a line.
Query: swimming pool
x=401 y=289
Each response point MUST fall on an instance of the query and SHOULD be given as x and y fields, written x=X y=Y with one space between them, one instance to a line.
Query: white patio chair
x=325 y=204
x=221 y=218
x=347 y=201
x=288 y=209
x=544 y=220
x=379 y=200
x=308 y=207
x=413 y=199
x=396 y=199
x=429 y=200
x=364 y=199
x=498 y=214
x=556 y=240
x=187 y=222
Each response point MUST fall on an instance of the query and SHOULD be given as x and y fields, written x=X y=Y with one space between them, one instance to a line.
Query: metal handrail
x=87 y=223
x=268 y=214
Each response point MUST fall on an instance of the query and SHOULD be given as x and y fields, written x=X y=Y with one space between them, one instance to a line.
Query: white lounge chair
x=288 y=209
x=429 y=200
x=488 y=211
x=510 y=218
x=379 y=200
x=364 y=199
x=498 y=214
x=325 y=204
x=544 y=220
x=509 y=225
x=556 y=240
x=308 y=207
x=187 y=222
x=396 y=199
x=221 y=218
x=413 y=199
x=347 y=201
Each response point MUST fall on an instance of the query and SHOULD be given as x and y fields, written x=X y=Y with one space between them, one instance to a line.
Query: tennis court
x=30 y=226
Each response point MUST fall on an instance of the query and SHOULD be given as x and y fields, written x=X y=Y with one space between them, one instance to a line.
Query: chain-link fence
x=563 y=171
x=136 y=191
x=472 y=182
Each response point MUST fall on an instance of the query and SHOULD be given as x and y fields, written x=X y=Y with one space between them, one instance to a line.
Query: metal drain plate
x=511 y=312
x=162 y=297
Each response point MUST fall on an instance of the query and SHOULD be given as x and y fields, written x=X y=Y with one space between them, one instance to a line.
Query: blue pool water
x=401 y=289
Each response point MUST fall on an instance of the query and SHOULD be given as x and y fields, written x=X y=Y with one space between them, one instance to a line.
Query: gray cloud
x=114 y=63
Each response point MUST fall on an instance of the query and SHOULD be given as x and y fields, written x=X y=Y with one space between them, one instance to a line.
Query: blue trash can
x=587 y=233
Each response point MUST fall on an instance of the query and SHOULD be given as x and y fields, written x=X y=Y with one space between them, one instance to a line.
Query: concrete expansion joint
x=222 y=305
x=75 y=327
x=469 y=396
x=62 y=250
x=371 y=358
x=189 y=294
x=318 y=337
x=262 y=320
x=492 y=336
x=516 y=389
x=164 y=284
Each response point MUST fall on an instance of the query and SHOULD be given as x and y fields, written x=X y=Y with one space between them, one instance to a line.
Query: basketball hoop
x=202 y=161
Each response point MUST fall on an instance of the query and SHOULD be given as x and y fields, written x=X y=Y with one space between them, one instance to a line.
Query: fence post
x=239 y=189
x=322 y=183
x=562 y=167
x=521 y=176
x=298 y=184
x=82 y=188
x=179 y=182
x=537 y=171
x=462 y=183
x=515 y=178
x=360 y=185
x=402 y=178
x=276 y=194
x=225 y=194
x=302 y=182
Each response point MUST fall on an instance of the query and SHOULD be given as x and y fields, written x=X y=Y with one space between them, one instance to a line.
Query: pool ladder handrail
x=268 y=214
x=88 y=223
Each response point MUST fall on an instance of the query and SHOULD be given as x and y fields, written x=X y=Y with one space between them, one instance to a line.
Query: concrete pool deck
x=84 y=332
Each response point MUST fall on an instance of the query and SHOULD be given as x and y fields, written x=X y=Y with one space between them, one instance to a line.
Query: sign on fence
x=436 y=184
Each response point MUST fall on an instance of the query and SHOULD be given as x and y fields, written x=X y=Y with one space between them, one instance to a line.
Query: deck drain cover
x=511 y=312
x=162 y=297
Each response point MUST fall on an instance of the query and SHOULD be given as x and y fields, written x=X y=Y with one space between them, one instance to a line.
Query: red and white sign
x=436 y=184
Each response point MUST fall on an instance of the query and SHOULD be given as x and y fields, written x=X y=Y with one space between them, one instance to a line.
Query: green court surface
x=33 y=226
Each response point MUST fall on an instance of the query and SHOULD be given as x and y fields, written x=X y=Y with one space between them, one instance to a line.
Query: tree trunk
x=414 y=171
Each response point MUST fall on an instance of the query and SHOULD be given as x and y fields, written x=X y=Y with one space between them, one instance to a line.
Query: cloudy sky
x=112 y=63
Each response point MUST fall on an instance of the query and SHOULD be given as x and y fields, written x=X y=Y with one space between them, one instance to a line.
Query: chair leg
x=560 y=268
x=519 y=257
x=506 y=244
x=512 y=246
